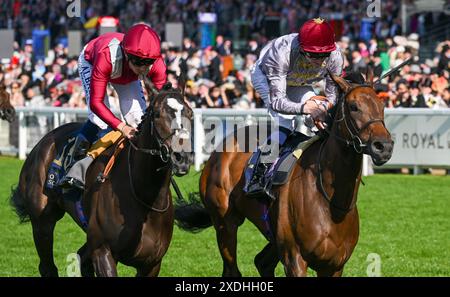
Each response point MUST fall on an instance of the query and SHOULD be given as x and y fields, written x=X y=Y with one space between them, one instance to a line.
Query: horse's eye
x=353 y=107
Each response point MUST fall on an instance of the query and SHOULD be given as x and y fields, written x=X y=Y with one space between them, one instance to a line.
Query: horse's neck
x=150 y=173
x=344 y=167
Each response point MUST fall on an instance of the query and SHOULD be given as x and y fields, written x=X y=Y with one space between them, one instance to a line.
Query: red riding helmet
x=142 y=41
x=317 y=36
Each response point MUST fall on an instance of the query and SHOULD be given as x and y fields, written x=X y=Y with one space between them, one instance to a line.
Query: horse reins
x=163 y=151
x=356 y=143
x=133 y=190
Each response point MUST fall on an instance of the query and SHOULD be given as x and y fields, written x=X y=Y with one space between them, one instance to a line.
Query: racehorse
x=314 y=220
x=130 y=211
x=7 y=111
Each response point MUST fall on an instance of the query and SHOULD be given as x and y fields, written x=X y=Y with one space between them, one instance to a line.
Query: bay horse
x=130 y=213
x=7 y=111
x=314 y=220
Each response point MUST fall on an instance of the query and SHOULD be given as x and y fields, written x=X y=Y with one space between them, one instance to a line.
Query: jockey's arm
x=275 y=66
x=99 y=81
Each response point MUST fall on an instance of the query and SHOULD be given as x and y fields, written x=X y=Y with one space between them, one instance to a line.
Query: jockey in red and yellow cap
x=284 y=75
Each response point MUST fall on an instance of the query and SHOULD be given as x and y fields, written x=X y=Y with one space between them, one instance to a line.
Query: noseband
x=352 y=129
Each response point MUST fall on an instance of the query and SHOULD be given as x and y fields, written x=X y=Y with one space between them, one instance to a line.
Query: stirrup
x=260 y=191
x=70 y=182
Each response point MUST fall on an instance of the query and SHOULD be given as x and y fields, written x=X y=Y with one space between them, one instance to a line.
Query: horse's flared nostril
x=178 y=157
x=378 y=146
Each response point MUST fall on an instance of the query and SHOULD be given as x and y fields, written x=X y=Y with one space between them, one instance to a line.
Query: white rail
x=422 y=136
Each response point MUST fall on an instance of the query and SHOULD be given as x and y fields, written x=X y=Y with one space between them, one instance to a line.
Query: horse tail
x=191 y=215
x=17 y=201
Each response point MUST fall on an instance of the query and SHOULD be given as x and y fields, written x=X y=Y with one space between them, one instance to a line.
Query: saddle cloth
x=284 y=164
x=290 y=152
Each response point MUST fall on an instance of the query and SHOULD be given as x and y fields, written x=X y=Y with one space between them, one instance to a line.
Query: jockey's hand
x=317 y=111
x=127 y=131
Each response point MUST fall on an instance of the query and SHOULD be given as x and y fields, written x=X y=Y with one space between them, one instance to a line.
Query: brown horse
x=314 y=220
x=7 y=111
x=130 y=213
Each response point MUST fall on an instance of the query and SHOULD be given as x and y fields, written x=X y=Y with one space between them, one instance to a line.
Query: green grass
x=404 y=219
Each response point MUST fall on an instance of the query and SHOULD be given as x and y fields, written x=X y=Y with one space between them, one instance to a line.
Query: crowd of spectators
x=219 y=75
x=25 y=15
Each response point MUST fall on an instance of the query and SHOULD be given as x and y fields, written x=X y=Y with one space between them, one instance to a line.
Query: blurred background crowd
x=219 y=73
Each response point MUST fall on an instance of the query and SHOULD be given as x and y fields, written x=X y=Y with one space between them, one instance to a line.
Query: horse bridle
x=355 y=142
x=355 y=135
x=163 y=150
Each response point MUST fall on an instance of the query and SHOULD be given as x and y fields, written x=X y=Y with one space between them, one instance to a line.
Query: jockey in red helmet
x=283 y=76
x=121 y=60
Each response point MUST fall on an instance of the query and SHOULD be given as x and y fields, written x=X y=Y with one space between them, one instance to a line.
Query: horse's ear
x=2 y=82
x=369 y=76
x=150 y=87
x=342 y=83
x=182 y=83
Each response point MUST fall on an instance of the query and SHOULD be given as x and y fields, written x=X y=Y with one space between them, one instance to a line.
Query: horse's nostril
x=378 y=146
x=177 y=157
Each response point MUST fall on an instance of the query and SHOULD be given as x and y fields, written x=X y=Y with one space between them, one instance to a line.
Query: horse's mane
x=354 y=78
x=165 y=89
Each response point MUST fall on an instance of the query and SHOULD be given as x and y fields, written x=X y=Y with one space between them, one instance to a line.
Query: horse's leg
x=43 y=227
x=149 y=270
x=226 y=234
x=266 y=261
x=103 y=261
x=86 y=266
x=294 y=264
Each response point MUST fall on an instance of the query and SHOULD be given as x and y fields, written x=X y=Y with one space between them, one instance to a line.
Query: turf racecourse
x=405 y=231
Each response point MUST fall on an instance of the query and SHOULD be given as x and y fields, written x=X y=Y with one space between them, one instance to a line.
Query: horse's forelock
x=159 y=98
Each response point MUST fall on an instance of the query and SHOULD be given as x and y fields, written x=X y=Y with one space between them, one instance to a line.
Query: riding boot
x=78 y=162
x=251 y=169
x=77 y=152
x=76 y=176
x=259 y=183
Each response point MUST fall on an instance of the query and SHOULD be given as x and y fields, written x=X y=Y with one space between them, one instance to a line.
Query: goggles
x=140 y=61
x=317 y=55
